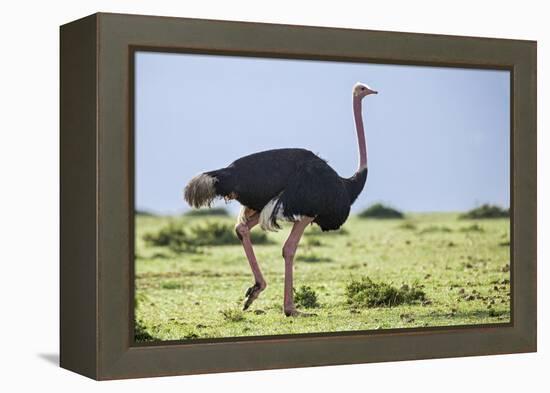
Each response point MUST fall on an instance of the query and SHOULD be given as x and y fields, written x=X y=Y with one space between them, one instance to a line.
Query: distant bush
x=367 y=293
x=215 y=211
x=214 y=233
x=315 y=230
x=171 y=285
x=144 y=213
x=172 y=236
x=486 y=211
x=436 y=229
x=472 y=228
x=306 y=297
x=312 y=257
x=313 y=242
x=178 y=238
x=408 y=225
x=379 y=210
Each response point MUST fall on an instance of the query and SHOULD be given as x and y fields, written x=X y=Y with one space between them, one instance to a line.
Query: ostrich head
x=361 y=90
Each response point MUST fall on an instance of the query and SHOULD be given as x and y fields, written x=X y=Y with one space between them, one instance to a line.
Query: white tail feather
x=266 y=223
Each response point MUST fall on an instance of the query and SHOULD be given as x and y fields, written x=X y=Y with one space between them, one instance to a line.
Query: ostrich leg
x=249 y=220
x=289 y=250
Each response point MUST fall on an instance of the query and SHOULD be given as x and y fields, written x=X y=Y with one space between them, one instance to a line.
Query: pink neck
x=361 y=142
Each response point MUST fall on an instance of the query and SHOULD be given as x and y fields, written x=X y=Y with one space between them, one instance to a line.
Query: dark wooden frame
x=96 y=143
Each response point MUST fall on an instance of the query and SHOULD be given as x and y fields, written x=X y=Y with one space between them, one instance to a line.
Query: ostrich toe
x=252 y=294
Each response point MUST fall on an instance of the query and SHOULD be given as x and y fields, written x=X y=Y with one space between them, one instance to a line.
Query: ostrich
x=284 y=184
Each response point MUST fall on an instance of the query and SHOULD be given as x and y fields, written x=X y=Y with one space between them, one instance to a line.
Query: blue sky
x=438 y=138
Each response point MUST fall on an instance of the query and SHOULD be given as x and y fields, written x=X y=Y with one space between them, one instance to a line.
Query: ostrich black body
x=303 y=183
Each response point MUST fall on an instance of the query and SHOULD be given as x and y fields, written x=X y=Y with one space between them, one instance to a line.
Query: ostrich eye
x=362 y=88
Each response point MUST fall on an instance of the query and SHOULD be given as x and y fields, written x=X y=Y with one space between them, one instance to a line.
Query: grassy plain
x=461 y=265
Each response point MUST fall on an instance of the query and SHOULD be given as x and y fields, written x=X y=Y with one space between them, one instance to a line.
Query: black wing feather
x=257 y=178
x=316 y=190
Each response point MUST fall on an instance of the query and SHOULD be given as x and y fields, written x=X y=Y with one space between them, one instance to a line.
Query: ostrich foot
x=293 y=312
x=252 y=294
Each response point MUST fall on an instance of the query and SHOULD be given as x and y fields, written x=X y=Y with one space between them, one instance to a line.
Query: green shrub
x=306 y=297
x=486 y=211
x=141 y=334
x=232 y=315
x=367 y=293
x=379 y=210
x=207 y=212
x=190 y=335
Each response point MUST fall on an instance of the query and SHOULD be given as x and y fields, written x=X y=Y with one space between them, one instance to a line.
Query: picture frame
x=97 y=198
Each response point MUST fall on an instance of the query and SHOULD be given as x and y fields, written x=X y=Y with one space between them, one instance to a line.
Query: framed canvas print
x=242 y=196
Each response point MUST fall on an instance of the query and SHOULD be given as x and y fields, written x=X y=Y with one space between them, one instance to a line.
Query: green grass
x=462 y=266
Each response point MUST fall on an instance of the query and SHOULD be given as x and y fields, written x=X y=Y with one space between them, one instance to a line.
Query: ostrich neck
x=355 y=184
x=361 y=142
